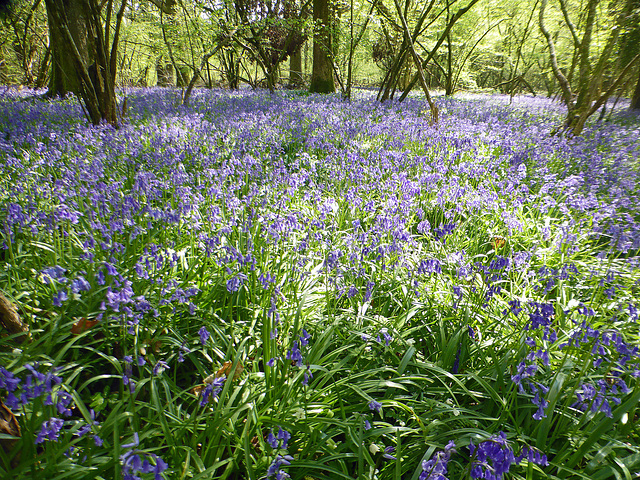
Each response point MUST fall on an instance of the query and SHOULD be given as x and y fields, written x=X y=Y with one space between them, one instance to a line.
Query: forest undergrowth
x=264 y=286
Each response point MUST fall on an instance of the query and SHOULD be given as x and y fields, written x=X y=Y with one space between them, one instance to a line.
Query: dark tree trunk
x=635 y=100
x=96 y=38
x=64 y=78
x=322 y=74
x=295 y=68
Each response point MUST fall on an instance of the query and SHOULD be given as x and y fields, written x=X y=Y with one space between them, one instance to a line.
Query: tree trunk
x=64 y=78
x=416 y=59
x=295 y=68
x=448 y=85
x=164 y=71
x=635 y=100
x=95 y=82
x=433 y=51
x=322 y=73
x=10 y=319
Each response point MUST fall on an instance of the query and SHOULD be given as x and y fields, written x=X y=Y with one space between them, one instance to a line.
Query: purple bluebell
x=436 y=468
x=160 y=367
x=50 y=430
x=212 y=390
x=388 y=451
x=204 y=335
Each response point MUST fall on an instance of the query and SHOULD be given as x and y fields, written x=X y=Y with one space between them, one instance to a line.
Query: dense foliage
x=271 y=285
x=497 y=44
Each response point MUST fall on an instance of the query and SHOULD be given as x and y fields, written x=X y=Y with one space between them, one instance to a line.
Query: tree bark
x=165 y=73
x=196 y=74
x=295 y=68
x=96 y=81
x=635 y=100
x=10 y=319
x=64 y=78
x=322 y=73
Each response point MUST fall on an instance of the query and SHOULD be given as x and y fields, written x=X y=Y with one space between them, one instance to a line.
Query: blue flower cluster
x=295 y=355
x=135 y=461
x=35 y=385
x=613 y=357
x=212 y=390
x=277 y=442
x=494 y=457
x=436 y=468
x=540 y=318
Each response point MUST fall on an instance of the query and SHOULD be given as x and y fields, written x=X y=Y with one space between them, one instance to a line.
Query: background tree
x=630 y=46
x=322 y=75
x=83 y=36
x=587 y=93
x=67 y=18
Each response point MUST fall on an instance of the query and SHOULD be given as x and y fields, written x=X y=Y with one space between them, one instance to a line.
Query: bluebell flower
x=456 y=362
x=160 y=367
x=272 y=440
x=62 y=405
x=492 y=458
x=212 y=390
x=295 y=355
x=86 y=428
x=284 y=437
x=304 y=338
x=275 y=469
x=59 y=298
x=79 y=284
x=388 y=453
x=436 y=468
x=234 y=283
x=134 y=443
x=8 y=380
x=135 y=461
x=307 y=376
x=50 y=430
x=532 y=455
x=375 y=406
x=368 y=291
x=54 y=273
x=111 y=270
x=204 y=335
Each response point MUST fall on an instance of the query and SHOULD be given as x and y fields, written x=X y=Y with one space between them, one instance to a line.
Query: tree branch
x=567 y=94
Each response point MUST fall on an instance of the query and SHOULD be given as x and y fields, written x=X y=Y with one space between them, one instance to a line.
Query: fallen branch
x=10 y=319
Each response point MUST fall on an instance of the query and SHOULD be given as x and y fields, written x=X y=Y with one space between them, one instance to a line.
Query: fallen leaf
x=82 y=326
x=9 y=426
x=498 y=242
x=255 y=443
x=226 y=370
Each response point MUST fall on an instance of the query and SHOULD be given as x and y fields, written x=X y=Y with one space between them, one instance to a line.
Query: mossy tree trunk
x=585 y=95
x=322 y=73
x=295 y=68
x=635 y=100
x=94 y=83
x=64 y=79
